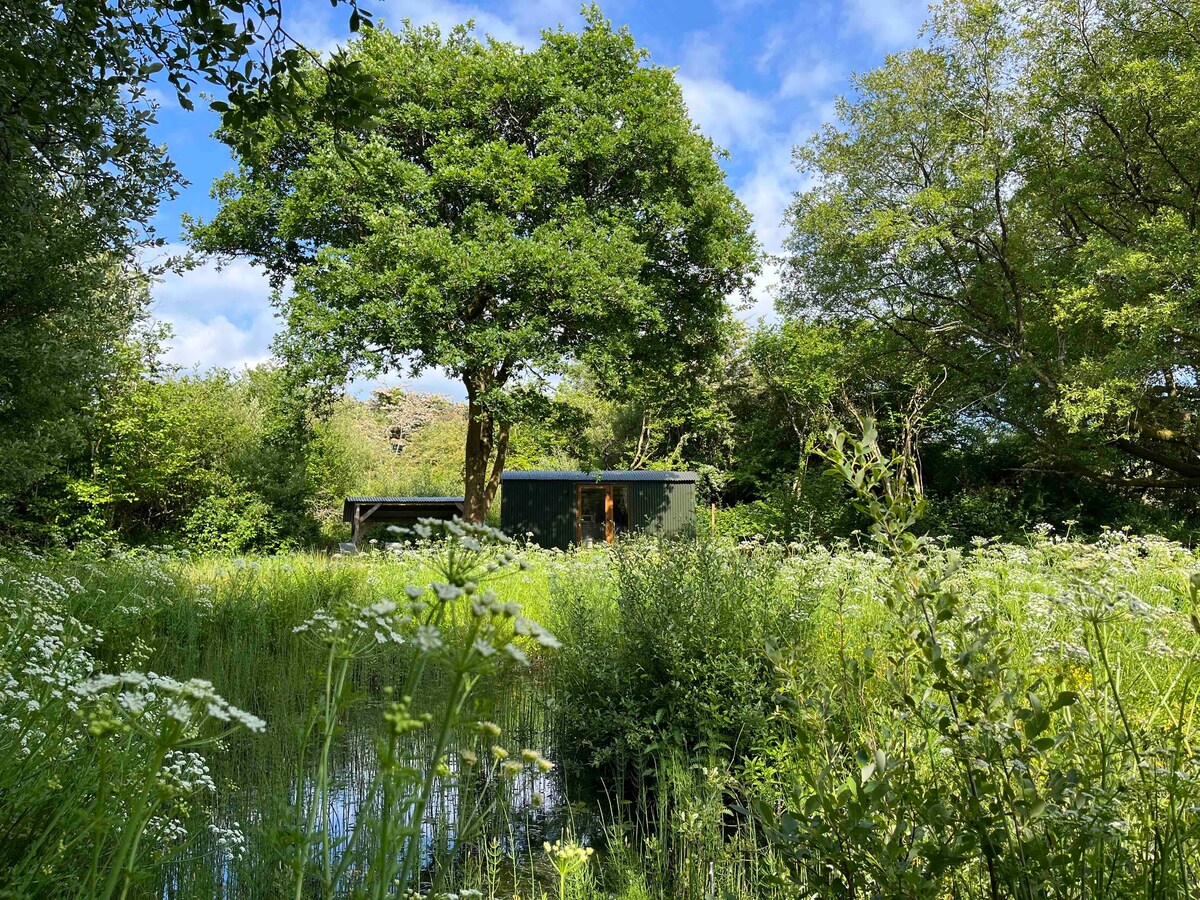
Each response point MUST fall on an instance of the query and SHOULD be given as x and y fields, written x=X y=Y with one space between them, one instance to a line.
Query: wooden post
x=361 y=521
x=608 y=515
x=712 y=522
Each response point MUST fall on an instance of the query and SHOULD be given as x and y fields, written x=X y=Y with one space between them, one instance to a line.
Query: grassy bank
x=748 y=721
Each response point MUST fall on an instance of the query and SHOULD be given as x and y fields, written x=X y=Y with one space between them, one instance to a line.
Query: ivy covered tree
x=504 y=214
x=1014 y=208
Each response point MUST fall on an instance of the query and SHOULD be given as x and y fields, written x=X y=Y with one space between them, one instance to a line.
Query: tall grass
x=747 y=721
x=1009 y=721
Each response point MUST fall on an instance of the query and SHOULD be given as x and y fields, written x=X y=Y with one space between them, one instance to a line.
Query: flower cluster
x=166 y=829
x=355 y=631
x=156 y=781
x=44 y=652
x=184 y=772
x=229 y=839
x=155 y=698
x=568 y=857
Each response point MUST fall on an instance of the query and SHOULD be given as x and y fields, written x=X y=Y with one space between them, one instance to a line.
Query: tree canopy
x=502 y=214
x=1015 y=205
x=81 y=180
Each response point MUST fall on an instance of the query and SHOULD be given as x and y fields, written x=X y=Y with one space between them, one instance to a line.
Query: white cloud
x=811 y=80
x=531 y=17
x=730 y=117
x=761 y=305
x=889 y=23
x=703 y=55
x=204 y=344
x=767 y=193
x=447 y=14
x=320 y=35
x=776 y=42
x=221 y=317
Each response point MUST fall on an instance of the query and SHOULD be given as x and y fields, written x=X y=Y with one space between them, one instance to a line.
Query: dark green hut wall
x=663 y=507
x=547 y=508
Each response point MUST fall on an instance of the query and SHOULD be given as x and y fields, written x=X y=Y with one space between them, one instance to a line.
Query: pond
x=258 y=781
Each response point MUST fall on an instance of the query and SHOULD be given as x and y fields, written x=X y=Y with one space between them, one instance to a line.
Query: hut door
x=595 y=514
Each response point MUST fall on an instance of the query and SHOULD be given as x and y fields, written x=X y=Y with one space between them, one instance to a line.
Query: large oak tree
x=504 y=214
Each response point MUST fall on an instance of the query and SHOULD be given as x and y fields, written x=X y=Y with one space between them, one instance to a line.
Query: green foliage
x=1011 y=208
x=679 y=826
x=791 y=379
x=656 y=422
x=237 y=522
x=80 y=184
x=662 y=663
x=351 y=453
x=808 y=508
x=56 y=361
x=504 y=214
x=180 y=457
x=997 y=776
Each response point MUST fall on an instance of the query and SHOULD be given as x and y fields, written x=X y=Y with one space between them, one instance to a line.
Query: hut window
x=620 y=508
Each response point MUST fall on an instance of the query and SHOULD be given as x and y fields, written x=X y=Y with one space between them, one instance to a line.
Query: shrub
x=237 y=522
x=675 y=658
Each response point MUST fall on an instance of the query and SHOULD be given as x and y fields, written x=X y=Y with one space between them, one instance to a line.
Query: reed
x=726 y=720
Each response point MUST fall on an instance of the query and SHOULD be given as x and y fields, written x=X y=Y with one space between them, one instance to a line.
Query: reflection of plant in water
x=459 y=624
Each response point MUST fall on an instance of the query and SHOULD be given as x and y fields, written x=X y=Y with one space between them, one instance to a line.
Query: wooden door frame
x=610 y=528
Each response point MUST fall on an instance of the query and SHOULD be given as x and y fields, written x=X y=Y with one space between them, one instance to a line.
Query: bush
x=819 y=509
x=237 y=522
x=676 y=657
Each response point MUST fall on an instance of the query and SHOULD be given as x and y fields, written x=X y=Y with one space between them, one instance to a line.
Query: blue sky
x=758 y=77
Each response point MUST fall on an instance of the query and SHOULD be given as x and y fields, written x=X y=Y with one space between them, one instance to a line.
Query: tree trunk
x=484 y=435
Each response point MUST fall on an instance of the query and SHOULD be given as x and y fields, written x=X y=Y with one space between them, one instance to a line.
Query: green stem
x=122 y=863
x=385 y=863
x=101 y=800
x=302 y=843
x=331 y=700
x=458 y=694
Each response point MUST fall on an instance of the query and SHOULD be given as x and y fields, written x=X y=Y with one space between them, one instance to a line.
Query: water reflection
x=259 y=787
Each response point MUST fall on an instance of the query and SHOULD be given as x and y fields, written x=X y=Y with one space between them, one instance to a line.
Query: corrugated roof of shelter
x=609 y=475
x=413 y=500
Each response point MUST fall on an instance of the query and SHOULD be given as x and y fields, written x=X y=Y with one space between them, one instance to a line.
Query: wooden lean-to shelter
x=364 y=512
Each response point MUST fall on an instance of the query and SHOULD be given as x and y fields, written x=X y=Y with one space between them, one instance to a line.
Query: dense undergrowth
x=1009 y=720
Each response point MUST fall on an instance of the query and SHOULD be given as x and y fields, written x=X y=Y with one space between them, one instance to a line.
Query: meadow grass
x=719 y=711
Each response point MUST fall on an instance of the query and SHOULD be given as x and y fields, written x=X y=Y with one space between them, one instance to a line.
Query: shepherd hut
x=558 y=509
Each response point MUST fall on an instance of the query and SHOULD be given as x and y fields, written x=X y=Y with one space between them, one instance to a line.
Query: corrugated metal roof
x=610 y=475
x=414 y=500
